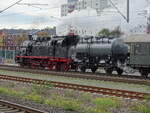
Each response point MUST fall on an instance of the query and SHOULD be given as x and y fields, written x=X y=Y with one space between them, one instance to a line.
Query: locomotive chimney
x=30 y=37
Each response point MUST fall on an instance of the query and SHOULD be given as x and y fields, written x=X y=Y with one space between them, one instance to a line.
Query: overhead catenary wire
x=126 y=18
x=10 y=6
x=33 y=5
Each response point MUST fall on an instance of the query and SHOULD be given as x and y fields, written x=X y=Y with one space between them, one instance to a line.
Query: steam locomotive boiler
x=74 y=52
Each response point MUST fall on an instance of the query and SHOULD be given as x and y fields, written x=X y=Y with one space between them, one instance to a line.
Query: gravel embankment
x=105 y=84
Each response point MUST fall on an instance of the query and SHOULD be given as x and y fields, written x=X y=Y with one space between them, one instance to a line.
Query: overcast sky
x=20 y=16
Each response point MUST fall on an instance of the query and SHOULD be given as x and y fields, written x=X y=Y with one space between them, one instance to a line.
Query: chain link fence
x=7 y=54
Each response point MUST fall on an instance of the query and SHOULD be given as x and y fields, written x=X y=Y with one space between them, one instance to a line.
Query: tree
x=116 y=32
x=104 y=32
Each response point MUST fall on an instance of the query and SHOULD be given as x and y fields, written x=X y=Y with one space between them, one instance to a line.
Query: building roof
x=137 y=38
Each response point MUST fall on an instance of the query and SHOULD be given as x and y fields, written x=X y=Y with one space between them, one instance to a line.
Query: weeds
x=140 y=108
x=70 y=94
x=85 y=97
x=102 y=105
x=34 y=97
x=65 y=103
x=11 y=85
x=72 y=101
x=95 y=110
x=41 y=89
x=9 y=92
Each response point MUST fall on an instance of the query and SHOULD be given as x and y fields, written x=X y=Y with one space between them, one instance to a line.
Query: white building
x=99 y=5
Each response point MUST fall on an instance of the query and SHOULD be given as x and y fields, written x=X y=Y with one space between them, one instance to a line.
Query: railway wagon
x=105 y=52
x=139 y=47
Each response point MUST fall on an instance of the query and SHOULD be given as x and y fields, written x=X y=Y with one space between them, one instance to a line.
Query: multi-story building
x=72 y=5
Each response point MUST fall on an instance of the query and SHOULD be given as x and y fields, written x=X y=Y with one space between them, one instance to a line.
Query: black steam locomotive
x=72 y=52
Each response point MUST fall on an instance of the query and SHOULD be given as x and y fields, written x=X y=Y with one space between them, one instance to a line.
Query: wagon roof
x=137 y=38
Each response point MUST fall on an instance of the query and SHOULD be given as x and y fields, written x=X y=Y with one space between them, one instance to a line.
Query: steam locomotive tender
x=63 y=53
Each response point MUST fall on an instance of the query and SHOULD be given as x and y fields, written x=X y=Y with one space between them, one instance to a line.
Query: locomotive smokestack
x=30 y=37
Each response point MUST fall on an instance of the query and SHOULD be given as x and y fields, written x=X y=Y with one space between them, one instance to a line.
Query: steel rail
x=17 y=107
x=91 y=89
x=80 y=75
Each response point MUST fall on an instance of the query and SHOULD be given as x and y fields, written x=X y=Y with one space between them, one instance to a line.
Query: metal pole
x=126 y=17
x=128 y=11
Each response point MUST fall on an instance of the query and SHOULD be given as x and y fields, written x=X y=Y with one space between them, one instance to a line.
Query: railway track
x=91 y=89
x=9 y=107
x=124 y=79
